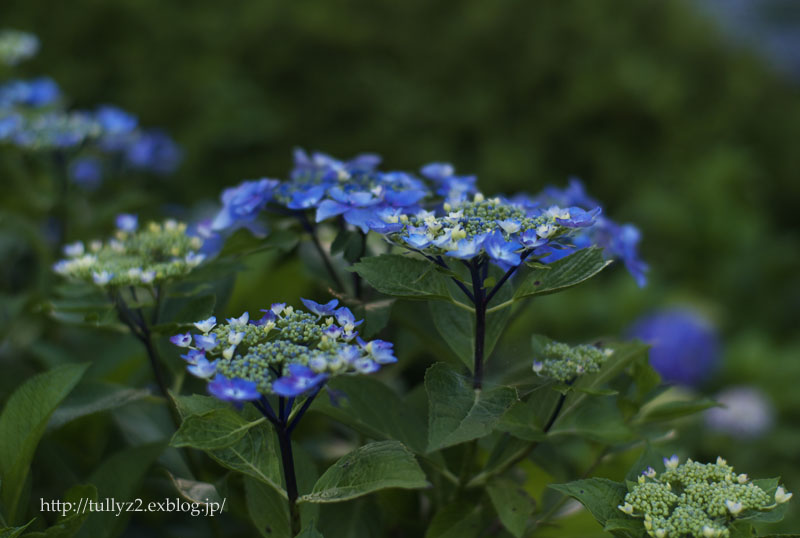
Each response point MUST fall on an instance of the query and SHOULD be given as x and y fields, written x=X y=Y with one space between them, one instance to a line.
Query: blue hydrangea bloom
x=618 y=241
x=242 y=204
x=452 y=188
x=300 y=379
x=235 y=390
x=685 y=346
x=320 y=309
x=33 y=93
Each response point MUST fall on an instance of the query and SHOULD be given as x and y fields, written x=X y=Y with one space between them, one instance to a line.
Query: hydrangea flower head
x=501 y=230
x=454 y=189
x=685 y=346
x=745 y=413
x=155 y=253
x=153 y=151
x=241 y=204
x=287 y=352
x=694 y=499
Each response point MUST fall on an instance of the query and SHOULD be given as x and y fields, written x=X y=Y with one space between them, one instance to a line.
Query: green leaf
x=184 y=310
x=512 y=504
x=629 y=528
x=457 y=520
x=94 y=397
x=402 y=276
x=213 y=429
x=118 y=477
x=23 y=422
x=356 y=407
x=673 y=410
x=357 y=518
x=350 y=243
x=457 y=412
x=14 y=532
x=599 y=495
x=254 y=455
x=563 y=274
x=650 y=457
x=268 y=510
x=372 y=467
x=196 y=404
x=67 y=525
x=770 y=485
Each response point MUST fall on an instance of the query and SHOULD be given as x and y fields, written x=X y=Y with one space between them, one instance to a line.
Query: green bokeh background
x=670 y=125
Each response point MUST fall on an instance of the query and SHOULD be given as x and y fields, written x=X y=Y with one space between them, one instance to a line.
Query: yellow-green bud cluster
x=564 y=362
x=154 y=254
x=698 y=500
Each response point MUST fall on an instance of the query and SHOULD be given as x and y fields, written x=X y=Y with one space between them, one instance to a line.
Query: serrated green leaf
x=457 y=412
x=213 y=429
x=372 y=467
x=563 y=273
x=402 y=276
x=355 y=406
x=22 y=423
x=254 y=455
x=599 y=495
x=513 y=506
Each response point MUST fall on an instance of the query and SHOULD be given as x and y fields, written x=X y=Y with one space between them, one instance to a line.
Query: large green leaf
x=512 y=504
x=372 y=467
x=196 y=404
x=118 y=477
x=355 y=405
x=599 y=495
x=214 y=429
x=268 y=510
x=14 y=532
x=23 y=422
x=457 y=412
x=254 y=455
x=563 y=274
x=357 y=518
x=402 y=276
x=674 y=409
x=94 y=397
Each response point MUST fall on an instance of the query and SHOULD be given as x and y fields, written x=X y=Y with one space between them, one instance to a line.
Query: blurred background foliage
x=671 y=125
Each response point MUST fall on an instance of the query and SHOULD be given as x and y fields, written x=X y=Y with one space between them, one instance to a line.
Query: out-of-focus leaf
x=94 y=397
x=512 y=504
x=268 y=510
x=457 y=520
x=22 y=423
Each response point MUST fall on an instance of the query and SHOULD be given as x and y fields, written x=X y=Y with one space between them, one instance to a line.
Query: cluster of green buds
x=698 y=500
x=149 y=256
x=564 y=362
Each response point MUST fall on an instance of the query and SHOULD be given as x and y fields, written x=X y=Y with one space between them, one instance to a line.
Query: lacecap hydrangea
x=698 y=500
x=150 y=255
x=17 y=46
x=505 y=232
x=353 y=189
x=286 y=352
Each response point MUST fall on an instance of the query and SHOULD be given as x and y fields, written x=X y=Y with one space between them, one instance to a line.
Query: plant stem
x=479 y=294
x=284 y=424
x=326 y=260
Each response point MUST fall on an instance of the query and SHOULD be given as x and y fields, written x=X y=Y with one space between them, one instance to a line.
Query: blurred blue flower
x=685 y=346
x=86 y=171
x=453 y=188
x=35 y=93
x=16 y=46
x=127 y=222
x=154 y=151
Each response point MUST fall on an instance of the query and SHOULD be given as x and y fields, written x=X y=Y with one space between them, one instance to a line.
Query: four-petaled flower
x=233 y=390
x=300 y=379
